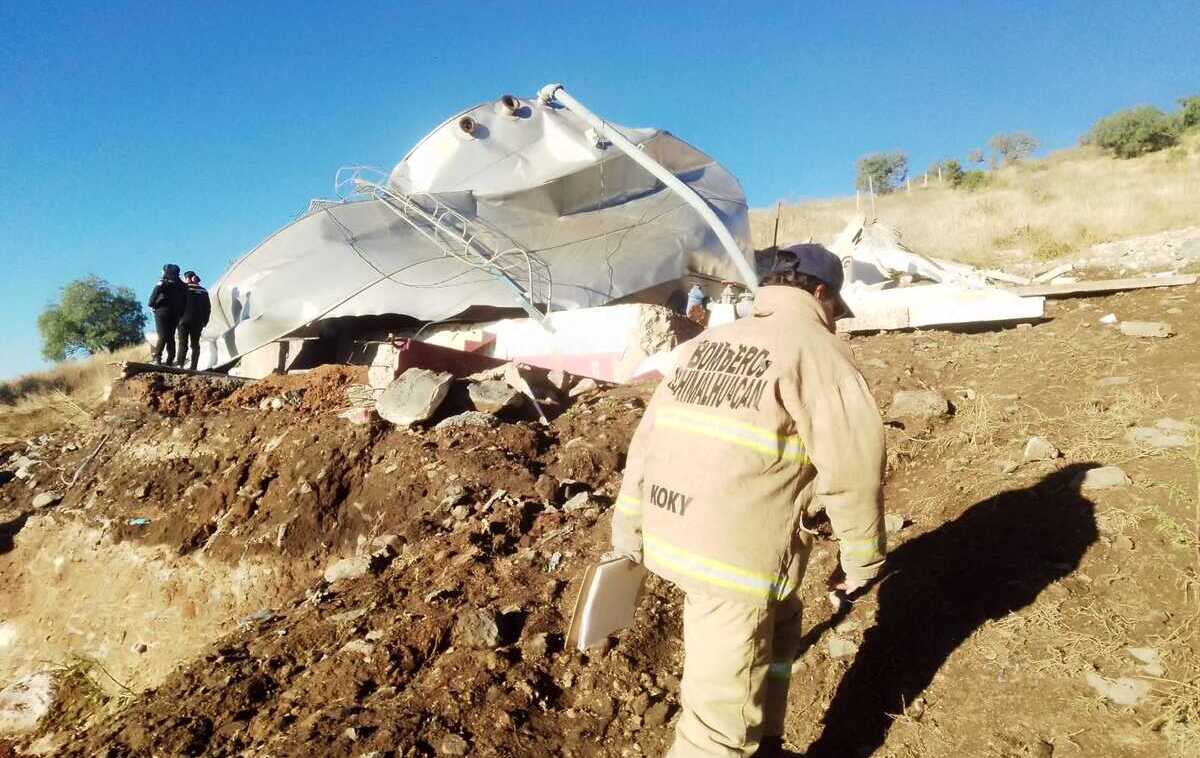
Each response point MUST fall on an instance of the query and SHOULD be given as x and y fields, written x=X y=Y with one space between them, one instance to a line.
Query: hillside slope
x=1040 y=209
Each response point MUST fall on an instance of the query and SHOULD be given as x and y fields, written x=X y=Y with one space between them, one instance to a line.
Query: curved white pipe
x=555 y=92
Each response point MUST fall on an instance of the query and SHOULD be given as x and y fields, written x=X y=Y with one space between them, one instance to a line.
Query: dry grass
x=63 y=396
x=1041 y=209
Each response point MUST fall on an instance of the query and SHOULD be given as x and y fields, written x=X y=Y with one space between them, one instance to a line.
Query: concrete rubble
x=413 y=397
x=494 y=396
x=1152 y=329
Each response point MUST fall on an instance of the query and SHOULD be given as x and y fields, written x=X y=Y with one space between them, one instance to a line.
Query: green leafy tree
x=1189 y=114
x=1012 y=147
x=1133 y=132
x=884 y=172
x=951 y=171
x=91 y=316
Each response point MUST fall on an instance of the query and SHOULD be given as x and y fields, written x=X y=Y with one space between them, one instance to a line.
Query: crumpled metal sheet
x=602 y=226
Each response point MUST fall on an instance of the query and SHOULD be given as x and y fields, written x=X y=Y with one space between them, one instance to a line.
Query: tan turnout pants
x=736 y=670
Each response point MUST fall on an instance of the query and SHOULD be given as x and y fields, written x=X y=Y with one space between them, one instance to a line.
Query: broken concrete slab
x=1040 y=449
x=494 y=396
x=1104 y=477
x=1150 y=329
x=414 y=396
x=1159 y=439
x=918 y=404
x=583 y=387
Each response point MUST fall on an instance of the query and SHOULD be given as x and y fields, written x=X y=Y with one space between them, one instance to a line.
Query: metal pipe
x=555 y=92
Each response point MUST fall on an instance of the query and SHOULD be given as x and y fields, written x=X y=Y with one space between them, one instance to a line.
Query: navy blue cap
x=818 y=262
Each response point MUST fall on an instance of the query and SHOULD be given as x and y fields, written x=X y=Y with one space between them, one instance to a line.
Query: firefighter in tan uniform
x=760 y=421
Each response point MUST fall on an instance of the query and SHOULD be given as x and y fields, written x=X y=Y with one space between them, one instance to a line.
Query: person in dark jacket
x=167 y=301
x=195 y=318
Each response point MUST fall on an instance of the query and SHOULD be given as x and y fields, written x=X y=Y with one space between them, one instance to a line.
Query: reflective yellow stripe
x=780 y=670
x=764 y=441
x=714 y=572
x=863 y=549
x=629 y=505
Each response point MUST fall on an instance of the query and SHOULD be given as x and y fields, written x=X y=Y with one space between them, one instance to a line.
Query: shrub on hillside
x=949 y=171
x=972 y=180
x=91 y=316
x=1189 y=113
x=1133 y=132
x=883 y=172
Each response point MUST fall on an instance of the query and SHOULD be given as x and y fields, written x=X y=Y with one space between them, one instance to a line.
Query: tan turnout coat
x=757 y=419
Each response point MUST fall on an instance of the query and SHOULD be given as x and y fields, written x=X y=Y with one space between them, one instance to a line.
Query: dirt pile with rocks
x=430 y=572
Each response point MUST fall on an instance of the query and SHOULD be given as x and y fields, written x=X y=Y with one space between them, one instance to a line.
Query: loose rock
x=1155 y=329
x=348 y=568
x=839 y=647
x=47 y=499
x=583 y=386
x=918 y=404
x=1122 y=691
x=657 y=715
x=578 y=502
x=467 y=418
x=1102 y=478
x=1175 y=425
x=893 y=522
x=494 y=396
x=1160 y=439
x=414 y=396
x=452 y=744
x=24 y=702
x=1040 y=449
x=478 y=629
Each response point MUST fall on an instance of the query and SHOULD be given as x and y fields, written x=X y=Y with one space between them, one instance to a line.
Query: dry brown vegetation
x=1040 y=209
x=61 y=396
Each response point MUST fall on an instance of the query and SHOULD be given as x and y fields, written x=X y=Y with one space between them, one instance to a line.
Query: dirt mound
x=454 y=567
x=322 y=389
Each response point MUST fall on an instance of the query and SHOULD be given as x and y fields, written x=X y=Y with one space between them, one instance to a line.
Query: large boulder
x=414 y=396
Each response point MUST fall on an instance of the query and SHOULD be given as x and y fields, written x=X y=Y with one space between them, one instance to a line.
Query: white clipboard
x=608 y=598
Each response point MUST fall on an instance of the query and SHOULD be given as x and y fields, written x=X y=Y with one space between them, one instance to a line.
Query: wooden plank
x=1103 y=285
x=133 y=368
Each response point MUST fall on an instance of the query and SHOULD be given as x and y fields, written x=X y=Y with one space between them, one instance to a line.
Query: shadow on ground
x=9 y=529
x=941 y=586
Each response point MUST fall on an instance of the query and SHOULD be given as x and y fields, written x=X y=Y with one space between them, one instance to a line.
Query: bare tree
x=1012 y=147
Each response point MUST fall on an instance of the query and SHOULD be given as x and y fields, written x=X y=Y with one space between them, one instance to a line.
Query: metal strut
x=468 y=240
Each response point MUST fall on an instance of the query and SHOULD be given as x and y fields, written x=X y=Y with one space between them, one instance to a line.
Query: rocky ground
x=222 y=569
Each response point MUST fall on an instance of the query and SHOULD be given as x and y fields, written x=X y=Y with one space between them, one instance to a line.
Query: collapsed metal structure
x=522 y=206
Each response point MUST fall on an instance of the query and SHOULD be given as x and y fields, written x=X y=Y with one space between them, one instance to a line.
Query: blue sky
x=134 y=134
